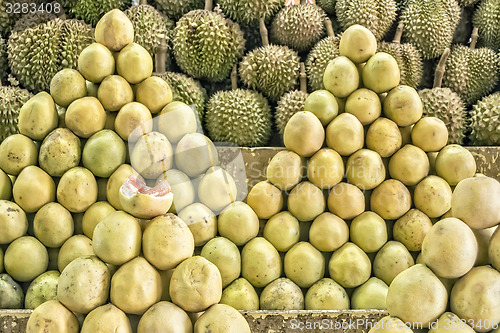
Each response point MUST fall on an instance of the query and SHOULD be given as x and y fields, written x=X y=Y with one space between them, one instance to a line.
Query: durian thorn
x=161 y=55
x=441 y=67
x=329 y=27
x=303 y=78
x=234 y=78
x=263 y=31
x=209 y=5
x=474 y=37
x=399 y=33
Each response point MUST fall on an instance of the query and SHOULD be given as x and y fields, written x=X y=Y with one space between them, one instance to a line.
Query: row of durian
x=271 y=69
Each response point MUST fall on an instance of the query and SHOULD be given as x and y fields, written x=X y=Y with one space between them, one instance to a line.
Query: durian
x=322 y=53
x=487 y=19
x=249 y=11
x=485 y=124
x=11 y=101
x=376 y=15
x=33 y=19
x=3 y=59
x=445 y=104
x=465 y=3
x=239 y=116
x=7 y=20
x=409 y=59
x=327 y=5
x=429 y=25
x=207 y=45
x=186 y=89
x=471 y=72
x=298 y=26
x=175 y=9
x=37 y=54
x=91 y=11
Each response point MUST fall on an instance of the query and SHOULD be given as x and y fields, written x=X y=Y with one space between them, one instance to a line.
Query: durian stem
x=234 y=78
x=329 y=27
x=263 y=32
x=303 y=78
x=474 y=37
x=438 y=75
x=398 y=34
x=209 y=5
x=161 y=55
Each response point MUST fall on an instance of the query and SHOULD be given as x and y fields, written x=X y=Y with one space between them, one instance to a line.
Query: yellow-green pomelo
x=417 y=295
x=449 y=322
x=323 y=104
x=403 y=106
x=38 y=116
x=411 y=229
x=25 y=259
x=75 y=247
x=181 y=186
x=484 y=237
x=95 y=214
x=409 y=165
x=430 y=134
x=103 y=153
x=33 y=188
x=285 y=170
x=455 y=163
x=341 y=77
x=304 y=134
x=365 y=105
x=225 y=255
x=345 y=134
x=67 y=86
x=433 y=196
x=114 y=30
x=328 y=232
x=241 y=295
x=265 y=199
x=326 y=294
x=155 y=93
x=17 y=151
x=238 y=223
x=217 y=189
x=221 y=318
x=77 y=189
x=132 y=121
x=53 y=224
x=60 y=151
x=42 y=289
x=114 y=92
x=167 y=241
x=346 y=201
x=117 y=238
x=152 y=155
x=282 y=294
x=381 y=73
x=391 y=259
x=390 y=324
x=494 y=249
x=349 y=266
x=52 y=316
x=306 y=201
x=106 y=318
x=85 y=116
x=134 y=63
x=304 y=264
x=365 y=169
x=449 y=248
x=282 y=231
x=370 y=295
x=5 y=186
x=13 y=221
x=369 y=232
x=358 y=44
x=194 y=154
x=325 y=168
x=391 y=199
x=165 y=317
x=201 y=221
x=384 y=137
x=176 y=120
x=115 y=181
x=196 y=284
x=260 y=262
x=11 y=292
x=96 y=62
x=474 y=298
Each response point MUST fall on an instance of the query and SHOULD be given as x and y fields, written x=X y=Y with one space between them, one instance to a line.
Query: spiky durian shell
x=471 y=73
x=249 y=11
x=33 y=19
x=485 y=121
x=429 y=25
x=239 y=116
x=465 y=3
x=91 y=11
x=487 y=20
x=376 y=15
x=409 y=60
x=207 y=45
x=272 y=70
x=7 y=20
x=148 y=25
x=327 y=5
x=175 y=9
x=187 y=90
x=11 y=101
x=322 y=53
x=298 y=26
x=3 y=59
x=37 y=54
x=288 y=105
x=446 y=105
